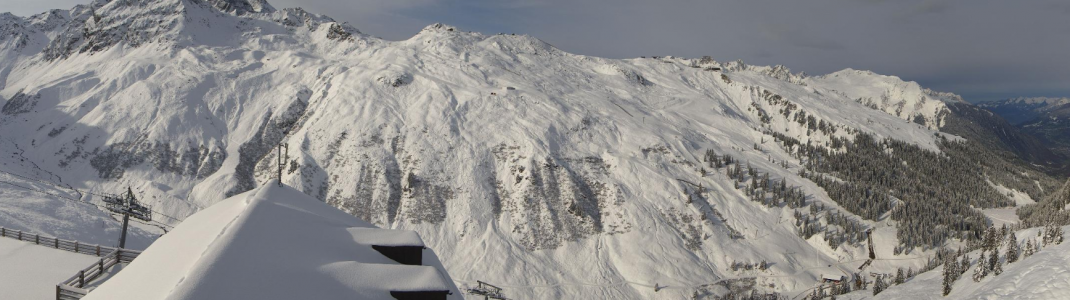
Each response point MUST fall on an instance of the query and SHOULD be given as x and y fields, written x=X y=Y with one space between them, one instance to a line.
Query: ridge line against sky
x=981 y=49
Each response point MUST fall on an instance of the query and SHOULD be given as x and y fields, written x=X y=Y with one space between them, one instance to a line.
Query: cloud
x=932 y=7
x=796 y=36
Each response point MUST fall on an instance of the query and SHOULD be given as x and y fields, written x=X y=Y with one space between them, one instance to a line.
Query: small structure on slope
x=277 y=243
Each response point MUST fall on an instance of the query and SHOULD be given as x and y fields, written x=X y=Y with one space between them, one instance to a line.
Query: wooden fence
x=51 y=242
x=74 y=288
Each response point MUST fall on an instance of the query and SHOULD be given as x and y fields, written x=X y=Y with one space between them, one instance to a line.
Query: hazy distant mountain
x=1045 y=118
x=1019 y=111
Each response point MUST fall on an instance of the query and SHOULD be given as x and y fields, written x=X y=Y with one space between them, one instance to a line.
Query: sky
x=981 y=49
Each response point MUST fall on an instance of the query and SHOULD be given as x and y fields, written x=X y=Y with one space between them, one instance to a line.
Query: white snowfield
x=551 y=174
x=31 y=272
x=906 y=100
x=1043 y=276
x=274 y=243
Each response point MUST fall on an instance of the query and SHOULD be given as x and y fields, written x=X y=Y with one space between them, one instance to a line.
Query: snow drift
x=274 y=243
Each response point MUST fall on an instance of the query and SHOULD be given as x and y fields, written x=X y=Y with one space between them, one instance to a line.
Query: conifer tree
x=979 y=272
x=899 y=277
x=950 y=273
x=879 y=285
x=990 y=239
x=965 y=265
x=993 y=262
x=1028 y=251
x=1012 y=248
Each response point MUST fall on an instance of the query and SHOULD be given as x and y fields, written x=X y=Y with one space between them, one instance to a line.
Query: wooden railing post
x=3 y=232
x=57 y=292
x=75 y=246
x=81 y=279
x=20 y=235
x=37 y=239
x=57 y=242
x=98 y=250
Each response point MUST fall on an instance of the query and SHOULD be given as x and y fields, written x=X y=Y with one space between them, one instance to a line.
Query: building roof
x=274 y=243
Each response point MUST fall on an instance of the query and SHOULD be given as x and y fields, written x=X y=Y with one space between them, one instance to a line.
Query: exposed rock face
x=19 y=104
x=241 y=7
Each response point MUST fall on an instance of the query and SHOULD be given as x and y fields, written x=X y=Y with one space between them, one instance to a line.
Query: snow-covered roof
x=274 y=243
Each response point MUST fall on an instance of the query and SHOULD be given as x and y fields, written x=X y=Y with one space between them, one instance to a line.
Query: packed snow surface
x=31 y=272
x=1043 y=276
x=274 y=243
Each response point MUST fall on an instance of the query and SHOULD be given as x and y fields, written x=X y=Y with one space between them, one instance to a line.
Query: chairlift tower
x=128 y=206
x=487 y=290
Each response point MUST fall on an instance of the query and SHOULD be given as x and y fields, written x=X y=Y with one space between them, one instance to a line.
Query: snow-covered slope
x=1044 y=275
x=274 y=243
x=552 y=174
x=29 y=271
x=906 y=100
x=35 y=200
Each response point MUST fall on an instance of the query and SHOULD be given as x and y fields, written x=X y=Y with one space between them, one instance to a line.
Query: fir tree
x=993 y=262
x=1028 y=251
x=1012 y=248
x=990 y=239
x=979 y=272
x=998 y=269
x=899 y=277
x=879 y=285
x=965 y=265
x=950 y=273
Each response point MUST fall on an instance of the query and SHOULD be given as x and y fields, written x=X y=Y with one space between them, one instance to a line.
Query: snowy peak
x=904 y=99
x=131 y=22
x=241 y=7
x=100 y=26
x=50 y=20
x=895 y=81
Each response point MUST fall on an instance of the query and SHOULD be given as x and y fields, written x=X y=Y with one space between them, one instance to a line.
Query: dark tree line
x=1049 y=211
x=929 y=193
x=770 y=192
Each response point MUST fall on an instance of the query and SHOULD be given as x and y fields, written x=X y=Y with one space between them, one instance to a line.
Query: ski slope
x=1044 y=275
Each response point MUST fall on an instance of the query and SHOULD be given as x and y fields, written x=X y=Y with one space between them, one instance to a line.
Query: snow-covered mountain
x=552 y=174
x=890 y=94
